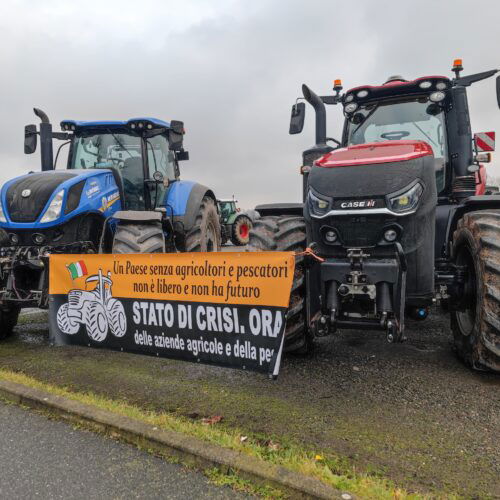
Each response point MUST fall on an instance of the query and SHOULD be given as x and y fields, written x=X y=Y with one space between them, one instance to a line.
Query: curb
x=190 y=450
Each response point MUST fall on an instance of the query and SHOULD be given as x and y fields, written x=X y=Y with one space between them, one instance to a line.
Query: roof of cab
x=113 y=123
x=399 y=81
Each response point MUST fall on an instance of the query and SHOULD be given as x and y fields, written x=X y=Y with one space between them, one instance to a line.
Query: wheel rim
x=467 y=318
x=102 y=323
x=244 y=231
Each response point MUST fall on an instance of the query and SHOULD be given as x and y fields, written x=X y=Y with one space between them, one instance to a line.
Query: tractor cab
x=431 y=109
x=142 y=153
x=401 y=110
x=227 y=208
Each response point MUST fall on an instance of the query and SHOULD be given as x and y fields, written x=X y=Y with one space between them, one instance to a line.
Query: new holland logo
x=26 y=193
x=358 y=204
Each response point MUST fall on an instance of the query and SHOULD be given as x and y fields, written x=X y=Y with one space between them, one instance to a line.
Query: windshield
x=105 y=150
x=121 y=152
x=415 y=119
x=226 y=208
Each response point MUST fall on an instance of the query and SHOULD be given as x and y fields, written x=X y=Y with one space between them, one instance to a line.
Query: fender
x=183 y=202
x=280 y=209
x=483 y=202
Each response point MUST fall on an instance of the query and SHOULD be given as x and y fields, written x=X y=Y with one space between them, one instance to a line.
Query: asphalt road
x=46 y=459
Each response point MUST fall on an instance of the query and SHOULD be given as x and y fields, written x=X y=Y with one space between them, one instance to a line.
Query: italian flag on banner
x=77 y=269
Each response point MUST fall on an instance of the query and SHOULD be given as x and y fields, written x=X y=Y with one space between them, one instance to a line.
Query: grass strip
x=320 y=465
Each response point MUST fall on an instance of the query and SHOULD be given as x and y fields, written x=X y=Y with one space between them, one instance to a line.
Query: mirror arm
x=466 y=81
x=334 y=140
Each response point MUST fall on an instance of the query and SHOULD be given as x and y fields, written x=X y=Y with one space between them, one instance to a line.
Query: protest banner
x=227 y=309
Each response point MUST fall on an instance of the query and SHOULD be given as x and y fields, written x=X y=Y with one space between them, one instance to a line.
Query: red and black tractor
x=393 y=217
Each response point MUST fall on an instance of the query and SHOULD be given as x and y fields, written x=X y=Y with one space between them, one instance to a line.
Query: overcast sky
x=230 y=69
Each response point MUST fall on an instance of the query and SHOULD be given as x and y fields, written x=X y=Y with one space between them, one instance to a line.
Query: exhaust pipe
x=319 y=108
x=46 y=153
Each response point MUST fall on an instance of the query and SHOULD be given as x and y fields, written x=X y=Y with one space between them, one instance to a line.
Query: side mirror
x=182 y=155
x=297 y=118
x=175 y=135
x=498 y=91
x=30 y=139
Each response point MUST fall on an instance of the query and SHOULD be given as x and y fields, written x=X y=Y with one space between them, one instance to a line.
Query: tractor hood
x=26 y=200
x=375 y=152
x=374 y=169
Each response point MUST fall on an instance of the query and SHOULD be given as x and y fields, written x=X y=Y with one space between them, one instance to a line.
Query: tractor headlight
x=54 y=211
x=317 y=206
x=408 y=200
x=2 y=215
x=437 y=96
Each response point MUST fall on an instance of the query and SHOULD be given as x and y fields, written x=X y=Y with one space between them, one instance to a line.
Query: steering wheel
x=396 y=135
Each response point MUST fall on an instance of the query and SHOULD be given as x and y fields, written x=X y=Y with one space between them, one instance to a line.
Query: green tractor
x=235 y=224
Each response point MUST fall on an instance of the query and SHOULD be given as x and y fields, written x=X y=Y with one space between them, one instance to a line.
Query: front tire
x=65 y=323
x=285 y=234
x=476 y=326
x=139 y=238
x=240 y=232
x=116 y=317
x=96 y=321
x=8 y=320
x=205 y=235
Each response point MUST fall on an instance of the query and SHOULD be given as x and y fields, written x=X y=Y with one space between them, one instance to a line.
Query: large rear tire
x=8 y=320
x=285 y=234
x=240 y=232
x=139 y=238
x=476 y=326
x=205 y=235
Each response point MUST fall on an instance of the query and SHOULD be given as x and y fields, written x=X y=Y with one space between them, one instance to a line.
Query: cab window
x=160 y=159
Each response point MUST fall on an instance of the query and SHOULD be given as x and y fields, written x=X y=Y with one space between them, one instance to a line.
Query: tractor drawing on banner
x=97 y=309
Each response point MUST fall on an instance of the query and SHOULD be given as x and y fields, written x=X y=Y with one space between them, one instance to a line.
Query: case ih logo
x=358 y=204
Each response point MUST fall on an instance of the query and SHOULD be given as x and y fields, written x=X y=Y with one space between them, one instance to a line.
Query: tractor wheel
x=116 y=317
x=96 y=321
x=285 y=234
x=475 y=322
x=139 y=238
x=240 y=232
x=65 y=323
x=205 y=235
x=8 y=320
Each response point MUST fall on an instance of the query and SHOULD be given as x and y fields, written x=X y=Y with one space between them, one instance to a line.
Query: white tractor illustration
x=96 y=309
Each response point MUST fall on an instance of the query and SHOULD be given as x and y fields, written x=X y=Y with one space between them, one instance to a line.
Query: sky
x=230 y=69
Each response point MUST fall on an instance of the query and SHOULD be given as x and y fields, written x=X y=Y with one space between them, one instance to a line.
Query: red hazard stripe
x=83 y=267
x=483 y=146
x=485 y=141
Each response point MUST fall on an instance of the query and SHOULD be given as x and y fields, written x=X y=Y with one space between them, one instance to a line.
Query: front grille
x=74 y=298
x=357 y=231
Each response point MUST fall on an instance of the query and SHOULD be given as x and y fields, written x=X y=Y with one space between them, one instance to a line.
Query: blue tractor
x=120 y=193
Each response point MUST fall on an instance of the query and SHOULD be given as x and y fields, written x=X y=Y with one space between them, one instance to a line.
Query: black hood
x=370 y=180
x=41 y=186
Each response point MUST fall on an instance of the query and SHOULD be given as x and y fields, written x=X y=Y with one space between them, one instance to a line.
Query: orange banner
x=246 y=278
